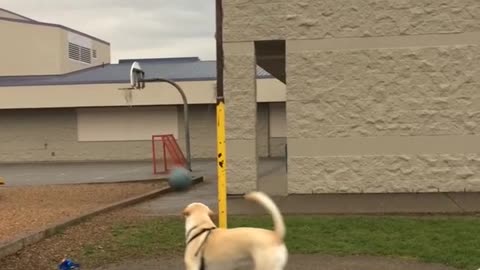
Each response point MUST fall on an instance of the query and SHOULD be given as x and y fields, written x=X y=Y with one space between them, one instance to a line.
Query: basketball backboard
x=136 y=76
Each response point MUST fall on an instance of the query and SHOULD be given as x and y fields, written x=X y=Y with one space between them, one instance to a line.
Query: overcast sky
x=135 y=29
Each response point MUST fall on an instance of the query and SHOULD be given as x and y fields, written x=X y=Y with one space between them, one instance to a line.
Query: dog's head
x=198 y=210
x=196 y=214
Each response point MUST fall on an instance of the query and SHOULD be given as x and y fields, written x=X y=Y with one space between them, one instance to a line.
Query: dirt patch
x=71 y=243
x=27 y=209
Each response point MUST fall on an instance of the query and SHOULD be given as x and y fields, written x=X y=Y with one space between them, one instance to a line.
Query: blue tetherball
x=180 y=178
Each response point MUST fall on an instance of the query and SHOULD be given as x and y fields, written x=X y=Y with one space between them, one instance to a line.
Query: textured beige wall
x=32 y=135
x=385 y=92
x=414 y=92
x=366 y=76
x=29 y=49
x=241 y=118
x=286 y=19
x=421 y=90
x=366 y=18
x=254 y=20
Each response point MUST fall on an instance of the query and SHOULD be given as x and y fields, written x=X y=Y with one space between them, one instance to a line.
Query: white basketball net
x=128 y=95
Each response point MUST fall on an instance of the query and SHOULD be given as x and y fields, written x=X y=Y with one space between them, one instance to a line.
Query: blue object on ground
x=68 y=264
x=180 y=178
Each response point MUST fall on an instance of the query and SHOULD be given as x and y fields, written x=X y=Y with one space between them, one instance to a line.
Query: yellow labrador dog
x=209 y=247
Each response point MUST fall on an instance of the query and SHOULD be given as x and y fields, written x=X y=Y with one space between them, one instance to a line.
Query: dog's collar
x=198 y=234
x=190 y=231
x=204 y=230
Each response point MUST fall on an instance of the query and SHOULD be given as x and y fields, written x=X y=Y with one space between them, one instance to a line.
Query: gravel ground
x=26 y=209
x=48 y=253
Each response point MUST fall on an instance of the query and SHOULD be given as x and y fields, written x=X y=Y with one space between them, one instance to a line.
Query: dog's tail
x=265 y=201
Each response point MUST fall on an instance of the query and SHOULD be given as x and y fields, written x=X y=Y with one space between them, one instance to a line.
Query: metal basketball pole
x=185 y=113
x=221 y=147
x=137 y=81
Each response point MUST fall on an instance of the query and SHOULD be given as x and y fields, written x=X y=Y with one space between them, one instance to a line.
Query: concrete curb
x=140 y=180
x=13 y=246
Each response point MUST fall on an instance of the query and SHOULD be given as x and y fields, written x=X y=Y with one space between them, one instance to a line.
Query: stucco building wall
x=382 y=96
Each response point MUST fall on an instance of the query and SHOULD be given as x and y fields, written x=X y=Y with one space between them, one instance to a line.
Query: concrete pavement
x=18 y=174
x=431 y=203
x=21 y=174
x=75 y=172
x=270 y=173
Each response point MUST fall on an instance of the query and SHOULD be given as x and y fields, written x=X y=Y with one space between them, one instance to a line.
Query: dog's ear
x=186 y=212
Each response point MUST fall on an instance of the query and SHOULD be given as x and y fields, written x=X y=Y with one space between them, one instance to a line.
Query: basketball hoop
x=137 y=75
x=137 y=82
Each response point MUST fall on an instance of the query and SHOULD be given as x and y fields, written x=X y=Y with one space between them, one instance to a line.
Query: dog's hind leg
x=281 y=258
x=264 y=263
x=274 y=258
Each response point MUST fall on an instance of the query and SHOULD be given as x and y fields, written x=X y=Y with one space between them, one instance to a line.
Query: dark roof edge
x=103 y=65
x=113 y=81
x=16 y=14
x=57 y=26
x=163 y=59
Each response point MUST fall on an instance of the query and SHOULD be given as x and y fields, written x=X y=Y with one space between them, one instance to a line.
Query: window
x=79 y=53
x=94 y=53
